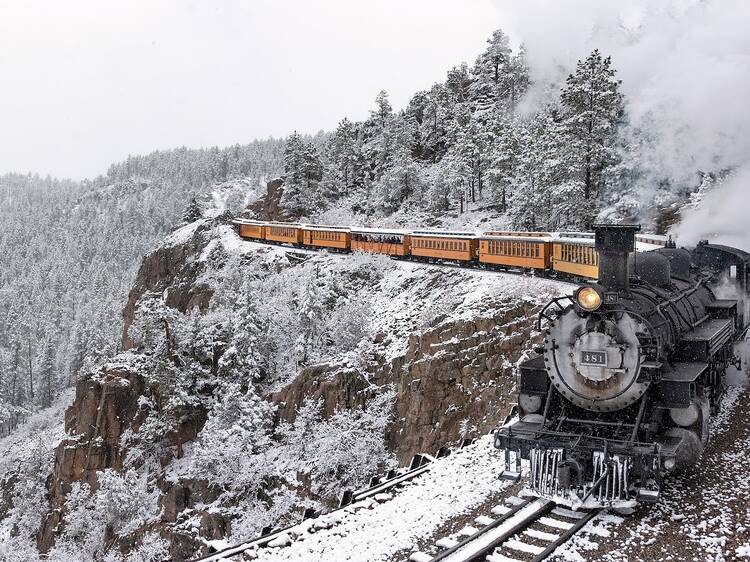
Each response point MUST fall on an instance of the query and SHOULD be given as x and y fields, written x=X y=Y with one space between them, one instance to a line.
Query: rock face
x=453 y=382
x=171 y=268
x=107 y=402
x=105 y=405
x=268 y=207
x=459 y=373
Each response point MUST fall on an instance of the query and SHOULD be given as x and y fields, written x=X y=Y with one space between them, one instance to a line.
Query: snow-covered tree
x=592 y=109
x=302 y=174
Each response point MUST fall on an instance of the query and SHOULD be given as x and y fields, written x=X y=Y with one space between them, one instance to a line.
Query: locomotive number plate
x=594 y=358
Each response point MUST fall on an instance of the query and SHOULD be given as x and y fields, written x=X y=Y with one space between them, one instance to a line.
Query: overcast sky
x=84 y=83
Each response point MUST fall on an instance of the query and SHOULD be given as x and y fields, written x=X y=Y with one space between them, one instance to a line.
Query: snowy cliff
x=258 y=381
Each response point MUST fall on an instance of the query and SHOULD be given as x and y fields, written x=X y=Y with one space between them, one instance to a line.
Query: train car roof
x=488 y=236
x=573 y=234
x=324 y=227
x=524 y=233
x=287 y=224
x=443 y=234
x=400 y=232
x=247 y=221
x=568 y=239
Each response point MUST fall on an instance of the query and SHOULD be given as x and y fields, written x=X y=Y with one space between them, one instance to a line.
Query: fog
x=85 y=83
x=685 y=69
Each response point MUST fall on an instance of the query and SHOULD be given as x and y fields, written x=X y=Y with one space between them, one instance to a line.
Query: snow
x=376 y=532
x=38 y=435
x=184 y=234
x=396 y=231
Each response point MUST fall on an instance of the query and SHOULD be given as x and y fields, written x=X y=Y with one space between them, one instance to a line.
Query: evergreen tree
x=47 y=384
x=383 y=108
x=592 y=108
x=302 y=174
x=488 y=71
x=192 y=212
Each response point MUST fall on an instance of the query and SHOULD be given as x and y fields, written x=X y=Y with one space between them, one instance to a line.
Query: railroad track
x=420 y=464
x=299 y=255
x=522 y=531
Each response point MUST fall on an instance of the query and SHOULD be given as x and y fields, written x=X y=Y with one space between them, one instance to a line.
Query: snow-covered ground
x=377 y=530
x=34 y=440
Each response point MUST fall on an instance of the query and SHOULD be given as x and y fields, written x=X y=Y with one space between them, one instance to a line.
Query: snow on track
x=375 y=532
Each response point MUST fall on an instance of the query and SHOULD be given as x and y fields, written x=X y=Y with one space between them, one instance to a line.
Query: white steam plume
x=685 y=68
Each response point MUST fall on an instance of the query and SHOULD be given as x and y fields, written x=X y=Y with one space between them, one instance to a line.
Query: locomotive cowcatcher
x=632 y=369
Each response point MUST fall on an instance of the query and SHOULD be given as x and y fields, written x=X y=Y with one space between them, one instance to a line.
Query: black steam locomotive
x=632 y=369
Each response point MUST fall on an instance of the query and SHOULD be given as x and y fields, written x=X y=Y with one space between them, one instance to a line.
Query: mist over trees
x=470 y=142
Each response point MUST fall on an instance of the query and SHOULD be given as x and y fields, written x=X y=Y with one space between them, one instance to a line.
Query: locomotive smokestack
x=614 y=242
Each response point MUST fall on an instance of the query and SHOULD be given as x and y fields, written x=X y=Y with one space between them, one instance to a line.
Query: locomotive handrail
x=543 y=312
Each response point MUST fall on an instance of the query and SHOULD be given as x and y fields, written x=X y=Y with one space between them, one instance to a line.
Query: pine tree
x=343 y=169
x=592 y=109
x=302 y=174
x=47 y=385
x=488 y=71
x=192 y=212
x=514 y=81
x=383 y=108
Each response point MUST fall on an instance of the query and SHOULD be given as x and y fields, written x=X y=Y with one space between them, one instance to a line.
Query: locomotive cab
x=622 y=390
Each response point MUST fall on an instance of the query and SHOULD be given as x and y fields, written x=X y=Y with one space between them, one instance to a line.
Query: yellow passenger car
x=530 y=250
x=376 y=241
x=575 y=256
x=283 y=232
x=254 y=230
x=326 y=236
x=460 y=246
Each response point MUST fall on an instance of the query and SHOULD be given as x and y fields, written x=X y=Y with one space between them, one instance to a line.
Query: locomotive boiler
x=631 y=371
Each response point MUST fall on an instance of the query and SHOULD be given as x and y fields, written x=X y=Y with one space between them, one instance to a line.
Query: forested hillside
x=537 y=156
x=487 y=140
x=70 y=252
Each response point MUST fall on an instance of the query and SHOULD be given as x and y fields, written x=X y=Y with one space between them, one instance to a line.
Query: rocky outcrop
x=105 y=405
x=185 y=501
x=268 y=207
x=453 y=382
x=337 y=388
x=451 y=379
x=456 y=380
x=171 y=273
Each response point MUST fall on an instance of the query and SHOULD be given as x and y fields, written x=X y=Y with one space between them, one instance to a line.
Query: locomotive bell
x=613 y=243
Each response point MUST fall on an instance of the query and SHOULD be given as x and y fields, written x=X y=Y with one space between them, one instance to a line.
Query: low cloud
x=685 y=67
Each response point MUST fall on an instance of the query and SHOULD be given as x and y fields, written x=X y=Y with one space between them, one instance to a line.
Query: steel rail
x=566 y=536
x=474 y=549
x=357 y=496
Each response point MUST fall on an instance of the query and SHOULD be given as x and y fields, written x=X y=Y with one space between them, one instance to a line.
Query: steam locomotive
x=632 y=370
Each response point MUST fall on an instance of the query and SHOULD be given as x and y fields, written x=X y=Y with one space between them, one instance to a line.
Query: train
x=569 y=255
x=633 y=364
x=631 y=372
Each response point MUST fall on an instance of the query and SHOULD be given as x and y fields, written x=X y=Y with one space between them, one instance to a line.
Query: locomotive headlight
x=588 y=298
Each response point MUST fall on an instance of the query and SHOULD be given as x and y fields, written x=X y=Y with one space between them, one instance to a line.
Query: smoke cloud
x=685 y=68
